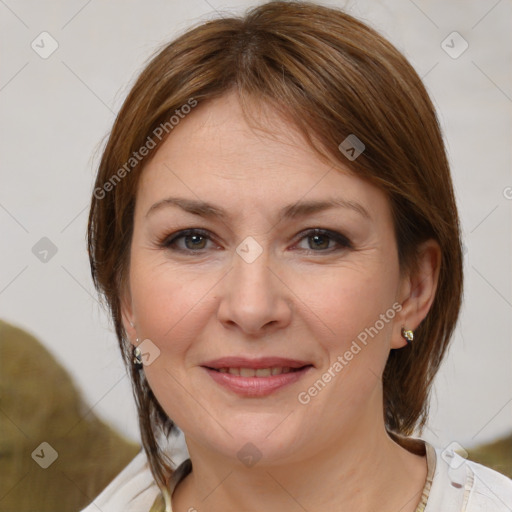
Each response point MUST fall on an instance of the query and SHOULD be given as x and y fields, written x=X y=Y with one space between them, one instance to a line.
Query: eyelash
x=342 y=241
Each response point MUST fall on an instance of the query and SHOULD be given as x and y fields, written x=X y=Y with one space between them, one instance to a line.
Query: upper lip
x=261 y=362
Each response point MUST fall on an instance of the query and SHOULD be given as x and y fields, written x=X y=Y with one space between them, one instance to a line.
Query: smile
x=256 y=382
x=260 y=372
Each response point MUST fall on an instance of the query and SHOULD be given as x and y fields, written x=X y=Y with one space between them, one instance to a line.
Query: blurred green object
x=496 y=455
x=39 y=403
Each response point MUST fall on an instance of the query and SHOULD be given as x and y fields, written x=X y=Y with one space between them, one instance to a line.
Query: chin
x=255 y=442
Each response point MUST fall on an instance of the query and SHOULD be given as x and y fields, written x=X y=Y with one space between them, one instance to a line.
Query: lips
x=256 y=377
x=257 y=372
x=262 y=362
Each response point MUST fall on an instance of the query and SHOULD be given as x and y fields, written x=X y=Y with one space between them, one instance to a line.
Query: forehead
x=213 y=154
x=216 y=134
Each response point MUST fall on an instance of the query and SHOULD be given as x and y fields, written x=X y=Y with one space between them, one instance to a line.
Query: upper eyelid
x=186 y=232
x=322 y=231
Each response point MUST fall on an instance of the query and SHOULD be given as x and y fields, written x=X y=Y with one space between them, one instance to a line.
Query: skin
x=303 y=297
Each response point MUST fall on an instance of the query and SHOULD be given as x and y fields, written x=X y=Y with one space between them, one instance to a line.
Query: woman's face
x=226 y=263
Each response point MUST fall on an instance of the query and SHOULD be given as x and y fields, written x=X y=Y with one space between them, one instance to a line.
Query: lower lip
x=256 y=386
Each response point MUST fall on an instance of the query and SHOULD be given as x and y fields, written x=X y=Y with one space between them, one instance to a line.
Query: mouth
x=256 y=378
x=259 y=372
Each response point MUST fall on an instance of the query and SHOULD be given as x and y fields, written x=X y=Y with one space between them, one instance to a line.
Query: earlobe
x=418 y=292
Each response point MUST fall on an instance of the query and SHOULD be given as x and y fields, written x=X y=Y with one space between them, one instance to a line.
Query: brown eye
x=319 y=241
x=194 y=241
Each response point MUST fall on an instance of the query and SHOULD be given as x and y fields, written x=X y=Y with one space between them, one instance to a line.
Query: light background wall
x=55 y=113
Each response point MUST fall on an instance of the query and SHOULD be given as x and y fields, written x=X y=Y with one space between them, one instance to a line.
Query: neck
x=364 y=471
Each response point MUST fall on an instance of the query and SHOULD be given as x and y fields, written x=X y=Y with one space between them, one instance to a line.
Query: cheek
x=168 y=303
x=354 y=315
x=347 y=301
x=170 y=310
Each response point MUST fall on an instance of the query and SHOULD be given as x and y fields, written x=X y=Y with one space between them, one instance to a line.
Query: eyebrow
x=298 y=209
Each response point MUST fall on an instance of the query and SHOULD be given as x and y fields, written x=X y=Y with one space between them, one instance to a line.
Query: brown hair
x=331 y=76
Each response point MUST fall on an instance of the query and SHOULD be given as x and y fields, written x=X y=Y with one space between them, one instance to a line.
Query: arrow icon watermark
x=249 y=250
x=45 y=455
x=44 y=250
x=352 y=147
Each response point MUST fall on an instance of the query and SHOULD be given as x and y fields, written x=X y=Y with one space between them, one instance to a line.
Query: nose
x=254 y=299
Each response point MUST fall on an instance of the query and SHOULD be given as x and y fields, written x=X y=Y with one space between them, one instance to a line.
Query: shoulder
x=491 y=490
x=132 y=490
x=461 y=485
x=135 y=489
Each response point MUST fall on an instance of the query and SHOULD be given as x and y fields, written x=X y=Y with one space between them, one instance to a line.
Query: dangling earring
x=137 y=356
x=408 y=335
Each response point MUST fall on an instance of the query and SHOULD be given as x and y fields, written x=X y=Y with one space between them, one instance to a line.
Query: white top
x=457 y=485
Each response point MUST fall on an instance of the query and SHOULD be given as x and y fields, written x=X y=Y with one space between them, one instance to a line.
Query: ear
x=127 y=315
x=417 y=291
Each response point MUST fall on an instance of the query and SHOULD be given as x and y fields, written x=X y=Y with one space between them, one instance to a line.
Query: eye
x=196 y=240
x=188 y=240
x=324 y=240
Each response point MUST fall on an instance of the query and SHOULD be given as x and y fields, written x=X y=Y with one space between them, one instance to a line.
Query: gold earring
x=408 y=335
